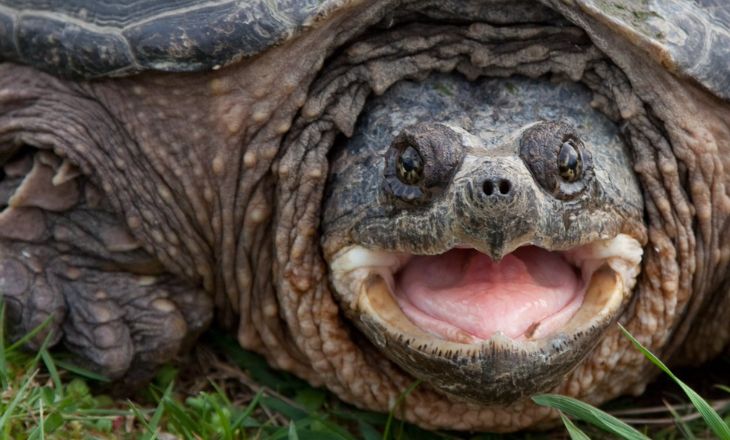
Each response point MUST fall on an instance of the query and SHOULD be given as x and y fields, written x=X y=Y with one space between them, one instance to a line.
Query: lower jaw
x=507 y=366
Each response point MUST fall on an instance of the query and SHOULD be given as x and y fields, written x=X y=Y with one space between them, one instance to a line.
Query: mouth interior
x=464 y=295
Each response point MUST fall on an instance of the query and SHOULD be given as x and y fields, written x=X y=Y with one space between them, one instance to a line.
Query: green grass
x=233 y=394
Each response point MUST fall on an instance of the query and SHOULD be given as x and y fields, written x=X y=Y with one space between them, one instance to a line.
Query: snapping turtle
x=467 y=193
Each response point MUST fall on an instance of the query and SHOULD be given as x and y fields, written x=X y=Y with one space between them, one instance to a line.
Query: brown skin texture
x=220 y=176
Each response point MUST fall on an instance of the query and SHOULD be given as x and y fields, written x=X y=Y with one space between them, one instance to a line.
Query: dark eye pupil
x=410 y=166
x=569 y=162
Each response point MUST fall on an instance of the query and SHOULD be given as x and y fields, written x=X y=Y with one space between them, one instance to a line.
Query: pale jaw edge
x=364 y=280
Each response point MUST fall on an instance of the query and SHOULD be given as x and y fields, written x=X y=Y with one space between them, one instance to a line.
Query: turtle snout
x=496 y=206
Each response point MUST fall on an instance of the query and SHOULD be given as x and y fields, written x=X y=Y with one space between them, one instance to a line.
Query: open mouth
x=464 y=297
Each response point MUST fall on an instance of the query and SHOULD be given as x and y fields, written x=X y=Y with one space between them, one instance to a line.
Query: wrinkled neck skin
x=221 y=175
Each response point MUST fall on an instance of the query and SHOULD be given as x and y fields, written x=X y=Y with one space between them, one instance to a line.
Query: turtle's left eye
x=409 y=166
x=570 y=164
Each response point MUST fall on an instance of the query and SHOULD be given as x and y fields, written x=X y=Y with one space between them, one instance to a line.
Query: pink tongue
x=466 y=291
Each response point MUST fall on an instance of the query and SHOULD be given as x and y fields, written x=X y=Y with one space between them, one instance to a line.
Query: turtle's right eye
x=420 y=163
x=409 y=166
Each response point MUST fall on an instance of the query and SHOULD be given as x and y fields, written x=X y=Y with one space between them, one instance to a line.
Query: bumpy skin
x=220 y=176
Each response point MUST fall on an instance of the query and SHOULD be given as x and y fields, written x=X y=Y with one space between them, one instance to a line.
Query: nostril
x=504 y=186
x=496 y=187
x=488 y=187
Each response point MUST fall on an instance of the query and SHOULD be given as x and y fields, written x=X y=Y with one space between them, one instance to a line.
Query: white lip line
x=622 y=254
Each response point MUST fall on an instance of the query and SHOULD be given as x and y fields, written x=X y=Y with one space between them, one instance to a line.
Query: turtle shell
x=89 y=38
x=689 y=38
x=84 y=38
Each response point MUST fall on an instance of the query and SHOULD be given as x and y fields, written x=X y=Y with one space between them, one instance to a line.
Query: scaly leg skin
x=65 y=255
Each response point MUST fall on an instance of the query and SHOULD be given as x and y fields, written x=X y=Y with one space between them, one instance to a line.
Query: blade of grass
x=52 y=371
x=223 y=420
x=101 y=412
x=238 y=422
x=31 y=334
x=42 y=421
x=19 y=397
x=3 y=362
x=712 y=418
x=681 y=425
x=355 y=415
x=141 y=418
x=367 y=432
x=332 y=429
x=79 y=371
x=181 y=421
x=157 y=416
x=293 y=435
x=221 y=393
x=39 y=432
x=282 y=407
x=398 y=402
x=589 y=414
x=573 y=431
x=719 y=405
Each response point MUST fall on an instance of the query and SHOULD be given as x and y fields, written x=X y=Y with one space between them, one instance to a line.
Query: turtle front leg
x=64 y=255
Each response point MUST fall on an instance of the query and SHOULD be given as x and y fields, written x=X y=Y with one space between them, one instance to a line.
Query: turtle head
x=484 y=249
